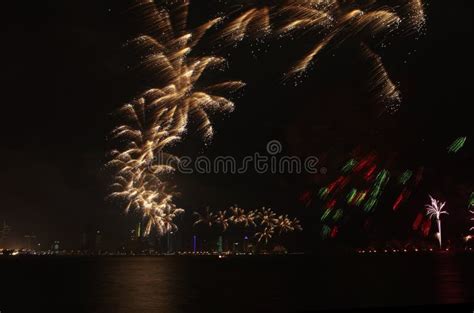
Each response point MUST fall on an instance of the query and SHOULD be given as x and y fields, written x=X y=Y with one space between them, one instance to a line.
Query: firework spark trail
x=472 y=219
x=415 y=12
x=254 y=22
x=333 y=23
x=457 y=145
x=386 y=91
x=471 y=205
x=159 y=116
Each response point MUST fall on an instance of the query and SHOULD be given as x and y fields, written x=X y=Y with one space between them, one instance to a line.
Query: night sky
x=64 y=74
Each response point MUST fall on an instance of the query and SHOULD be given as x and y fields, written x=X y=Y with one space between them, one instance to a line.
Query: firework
x=163 y=220
x=435 y=210
x=237 y=215
x=270 y=223
x=336 y=23
x=284 y=224
x=264 y=222
x=222 y=220
x=159 y=116
x=333 y=23
x=363 y=183
x=266 y=217
x=250 y=219
x=206 y=219
x=265 y=235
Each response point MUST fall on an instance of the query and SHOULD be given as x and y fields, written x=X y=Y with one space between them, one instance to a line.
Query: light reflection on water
x=451 y=286
x=138 y=285
x=246 y=285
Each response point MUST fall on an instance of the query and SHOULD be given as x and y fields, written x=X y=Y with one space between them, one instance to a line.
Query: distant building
x=133 y=235
x=246 y=245
x=136 y=243
x=98 y=241
x=88 y=239
x=84 y=241
x=219 y=245
x=30 y=242
x=91 y=240
x=55 y=247
x=4 y=232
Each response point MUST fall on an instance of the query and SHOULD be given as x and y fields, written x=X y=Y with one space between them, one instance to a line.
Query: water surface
x=243 y=284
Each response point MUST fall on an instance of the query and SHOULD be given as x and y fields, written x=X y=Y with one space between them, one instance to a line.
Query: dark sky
x=63 y=74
